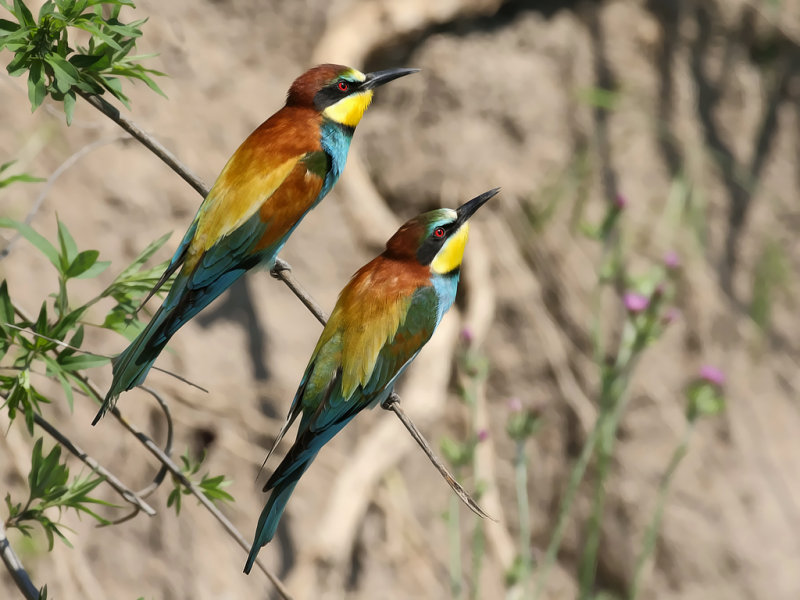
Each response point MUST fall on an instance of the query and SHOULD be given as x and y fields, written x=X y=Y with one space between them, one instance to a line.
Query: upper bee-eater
x=279 y=173
x=382 y=319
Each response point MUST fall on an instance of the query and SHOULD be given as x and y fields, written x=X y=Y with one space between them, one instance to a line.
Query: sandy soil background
x=705 y=109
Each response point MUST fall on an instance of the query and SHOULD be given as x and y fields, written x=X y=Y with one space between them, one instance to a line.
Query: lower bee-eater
x=382 y=319
x=279 y=173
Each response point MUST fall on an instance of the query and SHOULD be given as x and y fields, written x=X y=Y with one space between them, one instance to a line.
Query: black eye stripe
x=331 y=93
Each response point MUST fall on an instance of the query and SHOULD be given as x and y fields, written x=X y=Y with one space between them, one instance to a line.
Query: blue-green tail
x=273 y=511
x=187 y=297
x=131 y=367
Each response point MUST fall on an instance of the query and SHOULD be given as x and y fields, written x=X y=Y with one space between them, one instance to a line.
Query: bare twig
x=283 y=271
x=169 y=464
x=127 y=494
x=176 y=472
x=393 y=403
x=162 y=473
x=15 y=567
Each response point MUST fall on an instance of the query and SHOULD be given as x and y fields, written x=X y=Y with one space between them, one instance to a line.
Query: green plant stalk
x=649 y=542
x=478 y=551
x=454 y=537
x=575 y=478
x=523 y=508
x=613 y=392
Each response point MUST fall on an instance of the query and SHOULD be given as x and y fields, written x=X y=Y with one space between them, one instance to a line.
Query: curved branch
x=162 y=472
x=176 y=472
x=15 y=567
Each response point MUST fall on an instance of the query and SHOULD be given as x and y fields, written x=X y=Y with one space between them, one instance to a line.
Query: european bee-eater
x=382 y=319
x=279 y=173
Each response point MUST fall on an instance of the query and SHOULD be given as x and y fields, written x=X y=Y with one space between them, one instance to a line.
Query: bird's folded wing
x=375 y=356
x=237 y=195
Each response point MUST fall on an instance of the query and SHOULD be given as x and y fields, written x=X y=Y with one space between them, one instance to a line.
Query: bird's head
x=437 y=238
x=340 y=93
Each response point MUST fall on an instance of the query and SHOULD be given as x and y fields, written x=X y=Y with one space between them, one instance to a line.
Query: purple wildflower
x=672 y=260
x=635 y=302
x=713 y=375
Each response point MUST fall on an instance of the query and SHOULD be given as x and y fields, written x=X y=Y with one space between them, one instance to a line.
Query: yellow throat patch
x=349 y=110
x=452 y=253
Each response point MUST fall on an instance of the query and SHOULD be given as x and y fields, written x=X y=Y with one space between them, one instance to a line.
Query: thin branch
x=162 y=473
x=175 y=470
x=392 y=403
x=168 y=464
x=15 y=567
x=283 y=271
x=127 y=494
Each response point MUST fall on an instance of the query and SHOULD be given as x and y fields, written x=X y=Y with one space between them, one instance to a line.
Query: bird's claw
x=279 y=267
x=391 y=400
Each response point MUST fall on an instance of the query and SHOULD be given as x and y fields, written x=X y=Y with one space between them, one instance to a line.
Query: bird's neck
x=446 y=285
x=335 y=140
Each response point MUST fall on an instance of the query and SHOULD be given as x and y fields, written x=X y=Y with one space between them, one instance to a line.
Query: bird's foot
x=392 y=399
x=279 y=267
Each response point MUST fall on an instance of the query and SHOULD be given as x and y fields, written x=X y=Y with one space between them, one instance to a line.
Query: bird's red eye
x=343 y=86
x=438 y=232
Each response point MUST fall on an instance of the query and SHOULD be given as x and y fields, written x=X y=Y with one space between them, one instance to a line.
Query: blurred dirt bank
x=704 y=108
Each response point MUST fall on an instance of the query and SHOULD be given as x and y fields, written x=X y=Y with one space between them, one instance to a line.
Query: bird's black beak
x=466 y=210
x=378 y=78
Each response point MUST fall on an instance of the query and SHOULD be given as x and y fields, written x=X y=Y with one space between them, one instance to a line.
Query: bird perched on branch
x=382 y=319
x=279 y=173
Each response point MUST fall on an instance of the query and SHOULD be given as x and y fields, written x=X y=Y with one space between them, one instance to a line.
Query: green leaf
x=79 y=362
x=47 y=9
x=22 y=177
x=84 y=61
x=37 y=88
x=6 y=25
x=6 y=317
x=65 y=73
x=69 y=249
x=82 y=263
x=19 y=64
x=23 y=14
x=114 y=86
x=98 y=32
x=95 y=269
x=600 y=98
x=69 y=106
x=34 y=238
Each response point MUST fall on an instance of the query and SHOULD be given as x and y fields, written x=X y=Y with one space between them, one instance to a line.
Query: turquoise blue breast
x=335 y=140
